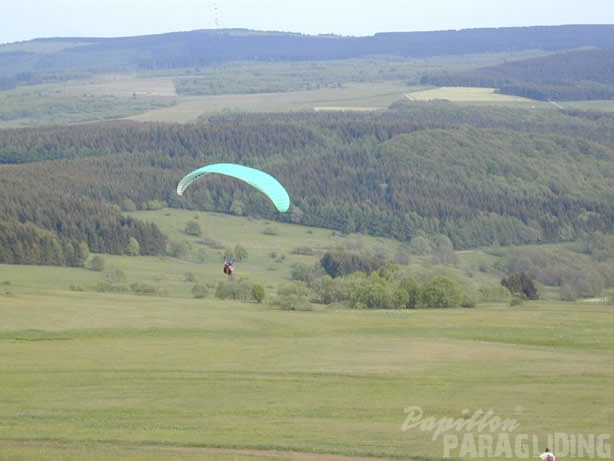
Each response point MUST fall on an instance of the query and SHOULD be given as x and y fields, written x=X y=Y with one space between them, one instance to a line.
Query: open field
x=108 y=376
x=605 y=105
x=126 y=377
x=352 y=96
x=187 y=94
x=466 y=94
x=61 y=103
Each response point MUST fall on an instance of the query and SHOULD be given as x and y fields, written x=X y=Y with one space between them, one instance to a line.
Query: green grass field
x=189 y=94
x=469 y=95
x=352 y=96
x=107 y=376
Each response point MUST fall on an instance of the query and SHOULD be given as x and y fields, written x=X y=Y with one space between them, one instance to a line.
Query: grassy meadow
x=189 y=94
x=108 y=376
x=466 y=95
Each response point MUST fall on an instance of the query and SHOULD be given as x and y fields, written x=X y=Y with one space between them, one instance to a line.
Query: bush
x=95 y=264
x=293 y=297
x=567 y=292
x=177 y=249
x=304 y=251
x=143 y=289
x=199 y=291
x=372 y=295
x=114 y=275
x=420 y=246
x=192 y=228
x=340 y=263
x=410 y=285
x=327 y=290
x=516 y=301
x=303 y=272
x=270 y=230
x=520 y=285
x=133 y=248
x=240 y=253
x=154 y=205
x=233 y=289
x=258 y=293
x=441 y=292
x=212 y=243
x=494 y=293
x=106 y=286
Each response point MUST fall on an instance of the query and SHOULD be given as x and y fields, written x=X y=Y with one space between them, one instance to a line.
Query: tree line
x=568 y=76
x=208 y=47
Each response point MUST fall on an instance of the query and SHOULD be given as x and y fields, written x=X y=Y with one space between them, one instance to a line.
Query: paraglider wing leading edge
x=262 y=181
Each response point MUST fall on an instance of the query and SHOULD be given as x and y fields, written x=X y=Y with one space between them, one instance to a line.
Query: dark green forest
x=480 y=176
x=565 y=76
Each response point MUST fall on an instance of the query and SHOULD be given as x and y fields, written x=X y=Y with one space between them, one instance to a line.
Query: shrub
x=114 y=275
x=154 y=205
x=95 y=264
x=304 y=251
x=516 y=301
x=133 y=248
x=441 y=292
x=233 y=289
x=520 y=285
x=303 y=272
x=494 y=293
x=270 y=230
x=567 y=292
x=143 y=289
x=340 y=263
x=199 y=291
x=293 y=297
x=192 y=228
x=212 y=243
x=258 y=293
x=410 y=285
x=240 y=253
x=177 y=249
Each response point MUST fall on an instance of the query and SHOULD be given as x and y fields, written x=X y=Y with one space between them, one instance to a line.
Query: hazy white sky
x=28 y=19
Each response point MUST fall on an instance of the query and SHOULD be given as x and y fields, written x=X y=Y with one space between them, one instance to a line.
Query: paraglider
x=228 y=267
x=262 y=181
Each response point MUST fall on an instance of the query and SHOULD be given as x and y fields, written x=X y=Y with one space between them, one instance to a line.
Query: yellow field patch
x=463 y=94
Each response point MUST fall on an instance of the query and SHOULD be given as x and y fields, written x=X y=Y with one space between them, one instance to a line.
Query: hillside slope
x=489 y=176
x=566 y=76
x=22 y=61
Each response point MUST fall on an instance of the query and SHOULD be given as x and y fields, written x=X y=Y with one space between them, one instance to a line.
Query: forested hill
x=204 y=47
x=480 y=176
x=566 y=76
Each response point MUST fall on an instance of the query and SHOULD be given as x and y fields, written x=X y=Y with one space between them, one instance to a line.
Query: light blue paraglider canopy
x=262 y=181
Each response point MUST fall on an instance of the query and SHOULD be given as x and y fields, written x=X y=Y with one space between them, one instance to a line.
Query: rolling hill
x=33 y=61
x=479 y=177
x=565 y=76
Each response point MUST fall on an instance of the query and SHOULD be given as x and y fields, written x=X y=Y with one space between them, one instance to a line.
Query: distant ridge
x=205 y=47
